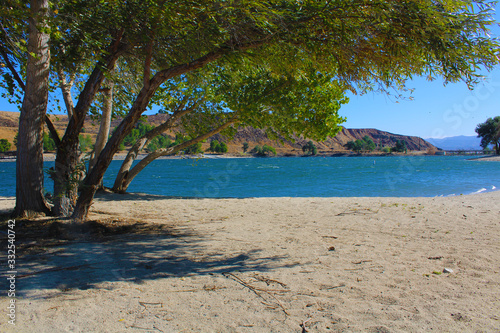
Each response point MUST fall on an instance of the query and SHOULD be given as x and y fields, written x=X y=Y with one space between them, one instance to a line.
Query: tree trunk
x=102 y=136
x=67 y=173
x=97 y=173
x=29 y=163
x=168 y=151
x=144 y=140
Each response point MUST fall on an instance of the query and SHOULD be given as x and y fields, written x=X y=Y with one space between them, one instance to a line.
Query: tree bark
x=96 y=174
x=107 y=110
x=29 y=164
x=66 y=90
x=168 y=151
x=144 y=140
x=67 y=174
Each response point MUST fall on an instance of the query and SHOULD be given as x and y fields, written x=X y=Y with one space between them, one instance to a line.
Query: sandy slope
x=268 y=264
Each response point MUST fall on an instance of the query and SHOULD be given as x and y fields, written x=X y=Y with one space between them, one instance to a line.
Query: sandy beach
x=264 y=265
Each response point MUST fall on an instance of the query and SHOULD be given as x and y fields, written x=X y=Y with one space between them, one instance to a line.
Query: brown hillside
x=9 y=121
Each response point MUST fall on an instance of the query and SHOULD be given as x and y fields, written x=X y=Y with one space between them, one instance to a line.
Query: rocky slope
x=8 y=128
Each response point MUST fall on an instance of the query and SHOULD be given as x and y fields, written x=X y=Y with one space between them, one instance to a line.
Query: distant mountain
x=9 y=127
x=461 y=142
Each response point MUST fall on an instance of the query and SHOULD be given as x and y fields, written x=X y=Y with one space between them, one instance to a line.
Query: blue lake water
x=399 y=176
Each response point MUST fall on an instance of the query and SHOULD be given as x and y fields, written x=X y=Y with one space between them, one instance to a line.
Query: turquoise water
x=399 y=176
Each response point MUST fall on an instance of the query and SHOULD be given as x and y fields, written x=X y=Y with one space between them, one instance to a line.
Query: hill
x=333 y=145
x=461 y=142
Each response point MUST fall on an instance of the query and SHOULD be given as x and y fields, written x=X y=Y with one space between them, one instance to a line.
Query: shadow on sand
x=54 y=257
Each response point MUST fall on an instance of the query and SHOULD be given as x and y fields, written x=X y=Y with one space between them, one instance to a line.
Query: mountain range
x=333 y=145
x=461 y=142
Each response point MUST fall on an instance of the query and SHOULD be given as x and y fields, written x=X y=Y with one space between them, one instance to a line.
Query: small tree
x=400 y=146
x=257 y=150
x=215 y=146
x=489 y=132
x=223 y=148
x=368 y=143
x=193 y=149
x=310 y=148
x=245 y=147
x=85 y=142
x=48 y=142
x=4 y=145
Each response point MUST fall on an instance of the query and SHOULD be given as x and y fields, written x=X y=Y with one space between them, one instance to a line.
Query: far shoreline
x=50 y=157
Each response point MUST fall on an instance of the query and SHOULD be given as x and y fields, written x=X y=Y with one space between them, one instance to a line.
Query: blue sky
x=436 y=111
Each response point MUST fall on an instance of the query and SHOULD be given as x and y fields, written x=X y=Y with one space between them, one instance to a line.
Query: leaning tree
x=363 y=44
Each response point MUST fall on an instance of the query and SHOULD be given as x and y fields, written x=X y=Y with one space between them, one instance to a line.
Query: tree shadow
x=134 y=196
x=56 y=257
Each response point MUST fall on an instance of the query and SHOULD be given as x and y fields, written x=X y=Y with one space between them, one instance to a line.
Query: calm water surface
x=405 y=176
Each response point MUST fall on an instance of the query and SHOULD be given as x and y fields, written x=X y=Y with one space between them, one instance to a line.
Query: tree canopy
x=316 y=49
x=489 y=132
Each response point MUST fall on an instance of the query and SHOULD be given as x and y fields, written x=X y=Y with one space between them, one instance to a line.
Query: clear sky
x=436 y=111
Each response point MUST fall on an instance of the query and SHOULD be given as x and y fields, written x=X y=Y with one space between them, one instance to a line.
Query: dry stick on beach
x=257 y=291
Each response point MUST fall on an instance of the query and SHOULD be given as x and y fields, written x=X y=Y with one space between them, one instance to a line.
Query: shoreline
x=49 y=157
x=268 y=264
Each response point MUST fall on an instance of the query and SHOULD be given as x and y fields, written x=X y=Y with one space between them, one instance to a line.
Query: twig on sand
x=146 y=329
x=360 y=262
x=145 y=304
x=435 y=258
x=269 y=281
x=357 y=211
x=258 y=291
x=334 y=287
x=303 y=325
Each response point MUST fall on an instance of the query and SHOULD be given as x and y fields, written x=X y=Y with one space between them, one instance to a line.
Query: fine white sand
x=270 y=264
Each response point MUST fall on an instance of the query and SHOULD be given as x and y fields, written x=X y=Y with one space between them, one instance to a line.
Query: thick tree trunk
x=168 y=151
x=67 y=174
x=96 y=174
x=105 y=125
x=143 y=141
x=29 y=164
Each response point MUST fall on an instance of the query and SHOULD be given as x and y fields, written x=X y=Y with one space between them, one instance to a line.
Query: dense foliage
x=4 y=145
x=310 y=148
x=366 y=144
x=489 y=132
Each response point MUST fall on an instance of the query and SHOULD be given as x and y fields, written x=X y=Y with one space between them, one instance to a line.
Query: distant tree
x=310 y=148
x=400 y=146
x=85 y=142
x=489 y=132
x=4 y=145
x=265 y=150
x=386 y=149
x=48 y=142
x=245 y=147
x=214 y=146
x=356 y=146
x=257 y=150
x=193 y=149
x=368 y=143
x=223 y=147
x=365 y=144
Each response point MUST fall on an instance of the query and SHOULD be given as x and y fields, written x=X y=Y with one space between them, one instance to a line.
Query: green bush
x=265 y=150
x=4 y=145
x=217 y=147
x=400 y=146
x=310 y=148
x=48 y=142
x=85 y=142
x=365 y=144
